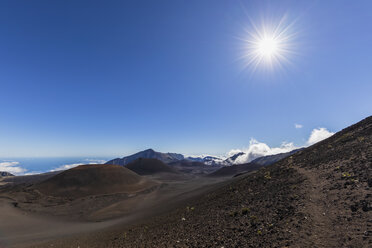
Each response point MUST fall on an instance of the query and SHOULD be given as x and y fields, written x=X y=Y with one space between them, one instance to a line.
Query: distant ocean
x=21 y=166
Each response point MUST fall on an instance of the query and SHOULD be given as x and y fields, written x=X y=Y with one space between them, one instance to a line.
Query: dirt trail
x=321 y=231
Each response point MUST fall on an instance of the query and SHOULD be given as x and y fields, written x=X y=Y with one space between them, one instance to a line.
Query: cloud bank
x=12 y=167
x=69 y=166
x=317 y=135
x=258 y=149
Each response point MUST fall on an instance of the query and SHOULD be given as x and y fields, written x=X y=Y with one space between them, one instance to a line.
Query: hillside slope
x=88 y=180
x=228 y=171
x=271 y=159
x=319 y=197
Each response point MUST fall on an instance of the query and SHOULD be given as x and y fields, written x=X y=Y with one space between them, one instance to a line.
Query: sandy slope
x=34 y=222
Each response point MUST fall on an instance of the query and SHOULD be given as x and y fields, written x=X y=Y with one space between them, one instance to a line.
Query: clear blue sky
x=108 y=78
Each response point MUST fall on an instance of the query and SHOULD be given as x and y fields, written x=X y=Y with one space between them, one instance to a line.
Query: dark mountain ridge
x=149 y=153
x=5 y=174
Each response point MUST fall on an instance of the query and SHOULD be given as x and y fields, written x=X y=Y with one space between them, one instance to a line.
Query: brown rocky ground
x=319 y=197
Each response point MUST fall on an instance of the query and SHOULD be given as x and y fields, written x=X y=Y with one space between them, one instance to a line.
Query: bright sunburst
x=269 y=45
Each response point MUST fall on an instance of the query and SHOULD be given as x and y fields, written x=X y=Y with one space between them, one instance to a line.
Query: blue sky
x=109 y=78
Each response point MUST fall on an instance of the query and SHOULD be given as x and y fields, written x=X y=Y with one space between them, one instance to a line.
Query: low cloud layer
x=258 y=149
x=12 y=167
x=69 y=166
x=317 y=135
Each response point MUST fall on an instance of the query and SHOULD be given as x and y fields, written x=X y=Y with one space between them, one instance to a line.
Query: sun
x=269 y=45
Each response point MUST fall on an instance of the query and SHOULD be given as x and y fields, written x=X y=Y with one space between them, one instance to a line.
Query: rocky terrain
x=318 y=197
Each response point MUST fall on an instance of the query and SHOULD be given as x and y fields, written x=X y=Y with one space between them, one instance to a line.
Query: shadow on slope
x=149 y=166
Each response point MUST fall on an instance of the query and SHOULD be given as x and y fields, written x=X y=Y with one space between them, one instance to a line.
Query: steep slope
x=149 y=166
x=271 y=159
x=318 y=197
x=228 y=171
x=86 y=180
x=149 y=153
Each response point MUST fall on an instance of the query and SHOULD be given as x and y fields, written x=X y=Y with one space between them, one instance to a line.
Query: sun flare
x=269 y=45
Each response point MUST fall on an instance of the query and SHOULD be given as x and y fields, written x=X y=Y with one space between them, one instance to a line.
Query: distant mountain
x=271 y=159
x=149 y=166
x=232 y=159
x=193 y=167
x=5 y=174
x=253 y=165
x=149 y=153
x=208 y=160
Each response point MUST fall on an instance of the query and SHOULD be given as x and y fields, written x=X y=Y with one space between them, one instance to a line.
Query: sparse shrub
x=267 y=175
x=233 y=213
x=245 y=211
x=346 y=174
x=190 y=208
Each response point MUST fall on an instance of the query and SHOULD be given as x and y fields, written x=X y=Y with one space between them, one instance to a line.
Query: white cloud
x=12 y=167
x=318 y=135
x=258 y=149
x=69 y=166
x=298 y=126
